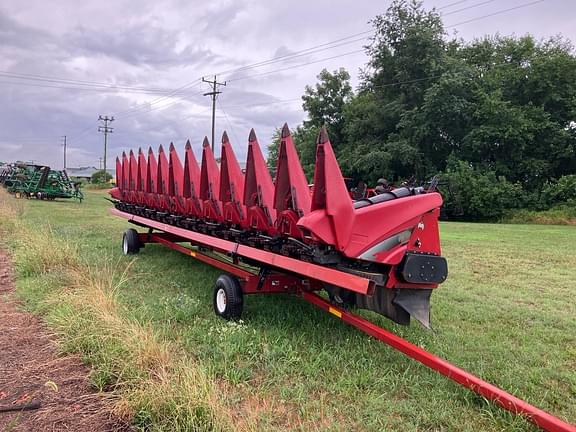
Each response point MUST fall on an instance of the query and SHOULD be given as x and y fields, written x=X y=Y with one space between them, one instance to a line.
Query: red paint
x=192 y=183
x=176 y=183
x=210 y=184
x=291 y=195
x=332 y=217
x=231 y=186
x=150 y=190
x=259 y=190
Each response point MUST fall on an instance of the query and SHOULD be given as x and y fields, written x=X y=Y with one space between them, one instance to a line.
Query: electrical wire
x=132 y=111
x=101 y=90
x=221 y=108
x=496 y=13
x=296 y=66
x=297 y=53
x=452 y=4
x=94 y=84
x=468 y=7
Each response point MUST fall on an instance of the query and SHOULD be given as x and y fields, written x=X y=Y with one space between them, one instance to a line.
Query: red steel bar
x=272 y=283
x=215 y=262
x=314 y=271
x=507 y=401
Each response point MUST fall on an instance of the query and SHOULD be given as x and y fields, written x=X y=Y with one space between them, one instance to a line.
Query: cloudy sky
x=65 y=62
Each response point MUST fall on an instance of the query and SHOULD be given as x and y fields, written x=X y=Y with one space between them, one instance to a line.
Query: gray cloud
x=138 y=45
x=15 y=34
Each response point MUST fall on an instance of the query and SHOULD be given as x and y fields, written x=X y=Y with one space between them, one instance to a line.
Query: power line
x=265 y=103
x=468 y=7
x=296 y=66
x=229 y=123
x=190 y=85
x=146 y=108
x=495 y=13
x=452 y=4
x=34 y=77
x=304 y=52
x=64 y=87
x=198 y=114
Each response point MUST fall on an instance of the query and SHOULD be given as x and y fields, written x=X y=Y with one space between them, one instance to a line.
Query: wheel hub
x=221 y=300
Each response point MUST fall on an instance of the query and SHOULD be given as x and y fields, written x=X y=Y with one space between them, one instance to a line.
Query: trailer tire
x=228 y=298
x=130 y=242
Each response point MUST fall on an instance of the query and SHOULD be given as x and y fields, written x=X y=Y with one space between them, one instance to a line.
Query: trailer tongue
x=381 y=254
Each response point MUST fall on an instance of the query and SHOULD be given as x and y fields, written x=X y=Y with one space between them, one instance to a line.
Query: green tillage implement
x=40 y=182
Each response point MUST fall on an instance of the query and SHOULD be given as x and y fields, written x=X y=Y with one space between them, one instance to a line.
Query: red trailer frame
x=281 y=274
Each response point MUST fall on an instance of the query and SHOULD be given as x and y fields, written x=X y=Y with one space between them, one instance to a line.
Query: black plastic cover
x=424 y=269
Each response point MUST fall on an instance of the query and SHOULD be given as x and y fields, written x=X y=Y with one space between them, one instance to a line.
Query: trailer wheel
x=130 y=242
x=228 y=299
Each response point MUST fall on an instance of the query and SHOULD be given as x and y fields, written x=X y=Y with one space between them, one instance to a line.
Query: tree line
x=495 y=117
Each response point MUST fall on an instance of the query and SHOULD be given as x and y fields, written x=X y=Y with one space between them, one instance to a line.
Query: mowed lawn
x=507 y=313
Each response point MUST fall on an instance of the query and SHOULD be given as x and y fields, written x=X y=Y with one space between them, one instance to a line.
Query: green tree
x=272 y=150
x=100 y=177
x=406 y=54
x=324 y=104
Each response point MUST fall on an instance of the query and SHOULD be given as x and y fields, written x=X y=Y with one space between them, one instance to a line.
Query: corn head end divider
x=283 y=236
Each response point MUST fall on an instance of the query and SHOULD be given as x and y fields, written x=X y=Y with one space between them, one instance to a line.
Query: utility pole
x=99 y=163
x=213 y=93
x=106 y=130
x=64 y=144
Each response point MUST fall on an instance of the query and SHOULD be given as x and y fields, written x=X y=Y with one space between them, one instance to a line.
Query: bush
x=562 y=191
x=564 y=214
x=100 y=177
x=480 y=195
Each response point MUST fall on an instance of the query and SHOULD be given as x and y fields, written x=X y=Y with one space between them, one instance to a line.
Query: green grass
x=506 y=313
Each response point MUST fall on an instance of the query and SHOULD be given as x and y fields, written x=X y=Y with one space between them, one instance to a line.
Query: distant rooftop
x=86 y=172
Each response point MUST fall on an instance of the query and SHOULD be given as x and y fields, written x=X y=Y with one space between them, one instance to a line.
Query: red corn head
x=132 y=177
x=151 y=180
x=258 y=189
x=210 y=184
x=125 y=173
x=292 y=195
x=176 y=183
x=231 y=186
x=162 y=185
x=191 y=189
x=332 y=214
x=116 y=192
x=141 y=179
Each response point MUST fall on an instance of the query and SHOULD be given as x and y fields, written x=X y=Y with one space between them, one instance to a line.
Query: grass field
x=507 y=313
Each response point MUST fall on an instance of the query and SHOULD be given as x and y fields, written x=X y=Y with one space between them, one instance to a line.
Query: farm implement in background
x=38 y=181
x=380 y=253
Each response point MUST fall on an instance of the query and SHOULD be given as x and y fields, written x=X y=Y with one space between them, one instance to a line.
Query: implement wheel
x=228 y=298
x=130 y=242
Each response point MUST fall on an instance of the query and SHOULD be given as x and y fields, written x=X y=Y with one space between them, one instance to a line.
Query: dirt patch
x=49 y=392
